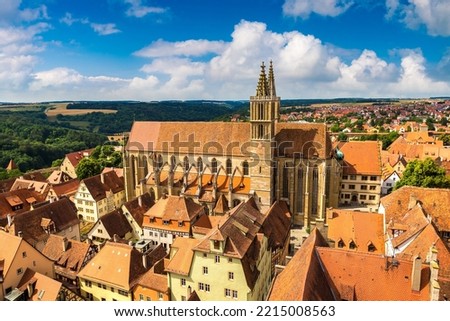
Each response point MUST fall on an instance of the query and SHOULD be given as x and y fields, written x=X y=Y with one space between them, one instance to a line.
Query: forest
x=127 y=112
x=33 y=142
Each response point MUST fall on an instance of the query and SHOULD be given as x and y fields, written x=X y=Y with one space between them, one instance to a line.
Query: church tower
x=264 y=107
x=264 y=113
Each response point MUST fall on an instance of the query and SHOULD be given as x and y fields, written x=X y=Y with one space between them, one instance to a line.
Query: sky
x=151 y=50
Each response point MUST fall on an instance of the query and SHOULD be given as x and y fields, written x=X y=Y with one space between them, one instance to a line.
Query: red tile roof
x=100 y=184
x=363 y=158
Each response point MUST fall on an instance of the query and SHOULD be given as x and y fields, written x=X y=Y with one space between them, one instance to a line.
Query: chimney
x=144 y=261
x=20 y=234
x=65 y=244
x=116 y=238
x=30 y=289
x=102 y=178
x=189 y=292
x=412 y=201
x=434 y=284
x=140 y=200
x=9 y=219
x=416 y=274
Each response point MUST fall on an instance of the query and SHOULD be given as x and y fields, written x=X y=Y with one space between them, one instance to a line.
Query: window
x=285 y=191
x=235 y=294
x=362 y=197
x=160 y=296
x=353 y=177
x=207 y=288
x=180 y=223
x=245 y=168
x=183 y=298
x=230 y=275
x=99 y=231
x=148 y=298
x=351 y=186
x=364 y=187
x=19 y=271
x=122 y=292
x=112 y=289
x=229 y=167
x=343 y=186
x=344 y=176
x=347 y=196
x=166 y=222
x=205 y=254
x=230 y=260
x=186 y=163
x=199 y=164
x=387 y=184
x=372 y=188
x=217 y=259
x=201 y=286
x=24 y=254
x=216 y=245
x=214 y=166
x=372 y=197
x=341 y=244
x=228 y=293
x=141 y=297
x=352 y=245
x=371 y=248
x=183 y=282
x=364 y=178
x=373 y=178
x=205 y=270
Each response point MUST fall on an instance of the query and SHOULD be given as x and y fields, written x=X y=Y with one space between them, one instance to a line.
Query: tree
x=57 y=162
x=88 y=167
x=424 y=173
x=342 y=137
x=444 y=121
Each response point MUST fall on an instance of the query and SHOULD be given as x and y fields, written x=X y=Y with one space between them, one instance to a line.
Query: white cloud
x=18 y=49
x=138 y=10
x=68 y=19
x=304 y=8
x=391 y=7
x=304 y=66
x=10 y=12
x=104 y=29
x=433 y=14
x=161 y=48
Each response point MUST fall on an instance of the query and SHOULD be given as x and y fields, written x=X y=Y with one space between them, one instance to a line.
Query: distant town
x=261 y=200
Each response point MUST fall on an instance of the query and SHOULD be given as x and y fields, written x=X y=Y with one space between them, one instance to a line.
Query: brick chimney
x=65 y=244
x=416 y=274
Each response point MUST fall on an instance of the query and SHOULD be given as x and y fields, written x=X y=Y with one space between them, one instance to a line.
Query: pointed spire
x=262 y=88
x=11 y=165
x=272 y=90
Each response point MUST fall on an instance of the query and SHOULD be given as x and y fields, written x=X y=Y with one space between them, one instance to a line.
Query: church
x=220 y=164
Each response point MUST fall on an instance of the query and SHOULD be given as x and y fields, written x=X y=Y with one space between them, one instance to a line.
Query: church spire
x=271 y=86
x=262 y=89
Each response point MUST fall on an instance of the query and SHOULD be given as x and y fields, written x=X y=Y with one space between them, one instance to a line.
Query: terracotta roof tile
x=115 y=223
x=181 y=255
x=361 y=227
x=44 y=288
x=22 y=195
x=116 y=264
x=370 y=279
x=434 y=201
x=139 y=206
x=98 y=189
x=303 y=279
x=361 y=157
x=76 y=157
x=61 y=213
x=68 y=260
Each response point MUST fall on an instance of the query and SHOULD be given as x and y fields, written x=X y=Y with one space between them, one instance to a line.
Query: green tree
x=444 y=121
x=446 y=139
x=88 y=167
x=57 y=162
x=424 y=173
x=342 y=137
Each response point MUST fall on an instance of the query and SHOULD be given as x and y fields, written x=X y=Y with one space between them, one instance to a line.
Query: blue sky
x=206 y=49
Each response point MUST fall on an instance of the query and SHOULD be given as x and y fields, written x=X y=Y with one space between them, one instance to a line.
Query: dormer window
x=341 y=244
x=352 y=245
x=216 y=245
x=165 y=222
x=180 y=223
x=371 y=247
